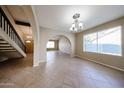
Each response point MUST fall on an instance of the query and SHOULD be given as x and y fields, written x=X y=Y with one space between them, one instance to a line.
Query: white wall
x=64 y=45
x=46 y=34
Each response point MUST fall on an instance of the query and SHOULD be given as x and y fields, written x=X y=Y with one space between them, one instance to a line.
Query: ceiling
x=57 y=37
x=60 y=17
x=18 y=13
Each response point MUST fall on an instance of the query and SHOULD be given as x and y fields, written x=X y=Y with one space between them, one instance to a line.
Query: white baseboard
x=100 y=63
x=35 y=65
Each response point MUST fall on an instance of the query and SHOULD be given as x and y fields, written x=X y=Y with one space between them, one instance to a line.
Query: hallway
x=60 y=70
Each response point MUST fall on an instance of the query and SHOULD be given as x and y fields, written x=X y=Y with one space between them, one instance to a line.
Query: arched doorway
x=41 y=35
x=30 y=12
x=57 y=45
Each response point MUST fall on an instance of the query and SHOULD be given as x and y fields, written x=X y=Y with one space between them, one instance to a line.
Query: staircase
x=11 y=45
x=5 y=46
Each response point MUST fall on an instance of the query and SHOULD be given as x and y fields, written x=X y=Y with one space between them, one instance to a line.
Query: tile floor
x=60 y=71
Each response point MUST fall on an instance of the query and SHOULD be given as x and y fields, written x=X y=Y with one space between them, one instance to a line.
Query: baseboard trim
x=100 y=63
x=35 y=65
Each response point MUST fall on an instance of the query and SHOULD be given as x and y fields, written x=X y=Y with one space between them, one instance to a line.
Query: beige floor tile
x=60 y=71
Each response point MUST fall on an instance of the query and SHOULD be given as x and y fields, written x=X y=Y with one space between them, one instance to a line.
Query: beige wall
x=56 y=45
x=115 y=61
x=64 y=45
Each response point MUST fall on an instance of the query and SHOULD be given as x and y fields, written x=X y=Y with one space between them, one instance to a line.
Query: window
x=51 y=44
x=105 y=42
x=91 y=42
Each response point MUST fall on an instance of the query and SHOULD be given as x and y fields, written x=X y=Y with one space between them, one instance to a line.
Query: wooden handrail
x=7 y=27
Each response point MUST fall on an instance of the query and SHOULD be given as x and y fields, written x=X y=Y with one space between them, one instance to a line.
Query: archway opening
x=58 y=45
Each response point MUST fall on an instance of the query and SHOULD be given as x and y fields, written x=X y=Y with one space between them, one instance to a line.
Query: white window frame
x=84 y=44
